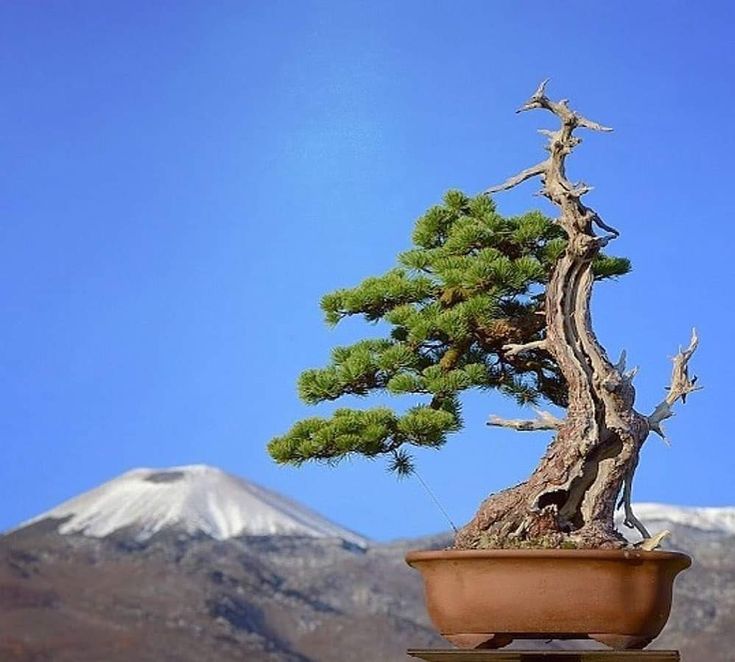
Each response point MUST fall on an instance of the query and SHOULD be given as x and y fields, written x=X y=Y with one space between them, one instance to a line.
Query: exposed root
x=631 y=521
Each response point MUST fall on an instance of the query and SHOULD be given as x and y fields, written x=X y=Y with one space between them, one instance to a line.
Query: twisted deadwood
x=570 y=498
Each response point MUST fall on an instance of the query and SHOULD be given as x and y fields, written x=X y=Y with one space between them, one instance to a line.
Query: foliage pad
x=472 y=282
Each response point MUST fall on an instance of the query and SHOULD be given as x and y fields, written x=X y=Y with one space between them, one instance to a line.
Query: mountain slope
x=169 y=581
x=188 y=598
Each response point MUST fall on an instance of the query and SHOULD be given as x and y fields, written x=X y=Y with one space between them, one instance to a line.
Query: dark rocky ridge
x=177 y=597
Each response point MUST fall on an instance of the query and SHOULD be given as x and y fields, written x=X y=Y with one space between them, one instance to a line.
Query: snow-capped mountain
x=658 y=516
x=194 y=499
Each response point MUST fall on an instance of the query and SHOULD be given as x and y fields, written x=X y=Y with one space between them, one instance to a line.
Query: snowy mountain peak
x=195 y=499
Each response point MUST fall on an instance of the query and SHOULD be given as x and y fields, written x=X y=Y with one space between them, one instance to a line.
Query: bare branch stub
x=513 y=349
x=545 y=421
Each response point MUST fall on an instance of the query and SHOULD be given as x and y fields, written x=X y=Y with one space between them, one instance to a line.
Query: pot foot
x=479 y=640
x=622 y=641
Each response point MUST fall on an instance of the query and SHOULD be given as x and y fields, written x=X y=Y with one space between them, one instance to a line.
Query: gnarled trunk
x=571 y=496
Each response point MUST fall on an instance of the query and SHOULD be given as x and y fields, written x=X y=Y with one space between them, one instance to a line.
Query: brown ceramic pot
x=487 y=598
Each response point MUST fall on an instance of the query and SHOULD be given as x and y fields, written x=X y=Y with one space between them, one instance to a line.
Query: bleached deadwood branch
x=653 y=542
x=620 y=366
x=630 y=374
x=560 y=109
x=622 y=362
x=561 y=142
x=681 y=386
x=601 y=224
x=513 y=349
x=533 y=171
x=545 y=421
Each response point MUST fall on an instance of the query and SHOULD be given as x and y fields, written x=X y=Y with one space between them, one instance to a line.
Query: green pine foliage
x=472 y=282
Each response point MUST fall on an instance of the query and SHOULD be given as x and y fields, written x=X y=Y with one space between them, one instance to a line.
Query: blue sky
x=182 y=181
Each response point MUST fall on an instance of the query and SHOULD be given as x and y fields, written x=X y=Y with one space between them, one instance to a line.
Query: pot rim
x=596 y=554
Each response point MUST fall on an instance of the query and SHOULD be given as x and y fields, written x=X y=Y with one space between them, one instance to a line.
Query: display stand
x=456 y=655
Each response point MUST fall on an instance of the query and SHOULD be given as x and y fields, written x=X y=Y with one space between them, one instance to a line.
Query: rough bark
x=570 y=498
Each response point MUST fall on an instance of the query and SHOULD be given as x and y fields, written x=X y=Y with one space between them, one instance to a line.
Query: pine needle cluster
x=472 y=282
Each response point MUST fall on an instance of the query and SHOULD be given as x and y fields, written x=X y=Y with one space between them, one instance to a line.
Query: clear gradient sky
x=181 y=181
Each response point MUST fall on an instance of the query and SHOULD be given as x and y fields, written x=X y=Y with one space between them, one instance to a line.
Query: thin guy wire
x=434 y=499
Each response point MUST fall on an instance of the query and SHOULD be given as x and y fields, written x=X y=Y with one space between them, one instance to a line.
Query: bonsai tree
x=486 y=302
